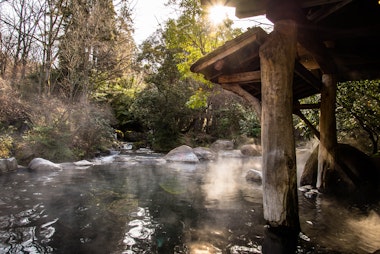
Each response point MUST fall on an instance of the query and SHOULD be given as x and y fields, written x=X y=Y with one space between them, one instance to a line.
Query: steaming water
x=134 y=207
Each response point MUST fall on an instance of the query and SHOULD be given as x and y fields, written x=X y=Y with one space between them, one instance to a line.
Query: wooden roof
x=339 y=36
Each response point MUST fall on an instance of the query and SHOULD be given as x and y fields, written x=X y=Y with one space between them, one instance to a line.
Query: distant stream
x=140 y=206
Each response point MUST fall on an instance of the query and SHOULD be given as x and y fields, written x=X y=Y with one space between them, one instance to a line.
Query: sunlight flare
x=218 y=13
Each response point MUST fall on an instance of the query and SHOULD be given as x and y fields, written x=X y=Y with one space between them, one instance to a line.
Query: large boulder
x=7 y=165
x=182 y=154
x=42 y=164
x=251 y=150
x=222 y=145
x=254 y=176
x=355 y=176
x=309 y=174
x=204 y=153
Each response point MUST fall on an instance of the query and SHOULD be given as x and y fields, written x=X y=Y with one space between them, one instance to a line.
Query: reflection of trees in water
x=19 y=232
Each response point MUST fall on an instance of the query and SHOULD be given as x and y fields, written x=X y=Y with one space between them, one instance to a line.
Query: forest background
x=71 y=77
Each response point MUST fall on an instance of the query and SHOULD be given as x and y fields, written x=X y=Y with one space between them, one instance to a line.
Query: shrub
x=64 y=131
x=91 y=129
x=6 y=145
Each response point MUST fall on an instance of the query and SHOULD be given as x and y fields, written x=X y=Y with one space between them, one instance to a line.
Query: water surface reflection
x=126 y=207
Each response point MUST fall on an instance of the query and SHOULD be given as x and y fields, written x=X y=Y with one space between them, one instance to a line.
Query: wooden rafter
x=306 y=75
x=240 y=78
x=215 y=59
x=324 y=12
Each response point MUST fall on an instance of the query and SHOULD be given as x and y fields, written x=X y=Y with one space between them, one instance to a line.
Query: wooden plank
x=239 y=78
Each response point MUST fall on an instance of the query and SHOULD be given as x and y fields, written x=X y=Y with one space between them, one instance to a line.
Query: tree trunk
x=277 y=57
x=327 y=128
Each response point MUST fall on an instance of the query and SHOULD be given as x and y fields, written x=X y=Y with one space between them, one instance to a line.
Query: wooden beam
x=250 y=8
x=306 y=106
x=306 y=75
x=312 y=3
x=243 y=77
x=323 y=13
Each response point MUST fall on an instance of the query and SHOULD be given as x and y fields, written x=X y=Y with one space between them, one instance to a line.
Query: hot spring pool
x=137 y=206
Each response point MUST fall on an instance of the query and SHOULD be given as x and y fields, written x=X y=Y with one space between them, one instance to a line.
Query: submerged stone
x=83 y=163
x=231 y=154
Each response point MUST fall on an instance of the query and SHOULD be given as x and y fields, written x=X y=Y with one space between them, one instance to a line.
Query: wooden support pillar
x=327 y=128
x=277 y=57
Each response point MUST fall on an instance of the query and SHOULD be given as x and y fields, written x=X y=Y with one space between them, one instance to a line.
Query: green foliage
x=163 y=112
x=230 y=116
x=50 y=142
x=226 y=120
x=176 y=103
x=120 y=95
x=250 y=124
x=311 y=114
x=198 y=99
x=161 y=106
x=358 y=112
x=191 y=37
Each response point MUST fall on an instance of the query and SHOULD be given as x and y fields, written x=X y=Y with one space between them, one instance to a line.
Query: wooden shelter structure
x=314 y=45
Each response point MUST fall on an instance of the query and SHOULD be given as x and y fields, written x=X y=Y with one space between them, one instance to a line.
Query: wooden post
x=327 y=128
x=277 y=57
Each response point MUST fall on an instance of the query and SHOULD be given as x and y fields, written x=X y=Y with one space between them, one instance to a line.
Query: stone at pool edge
x=43 y=165
x=182 y=153
x=254 y=176
x=7 y=165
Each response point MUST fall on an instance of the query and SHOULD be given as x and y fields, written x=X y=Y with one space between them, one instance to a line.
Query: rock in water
x=251 y=150
x=204 y=154
x=182 y=154
x=222 y=145
x=254 y=176
x=7 y=165
x=42 y=164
